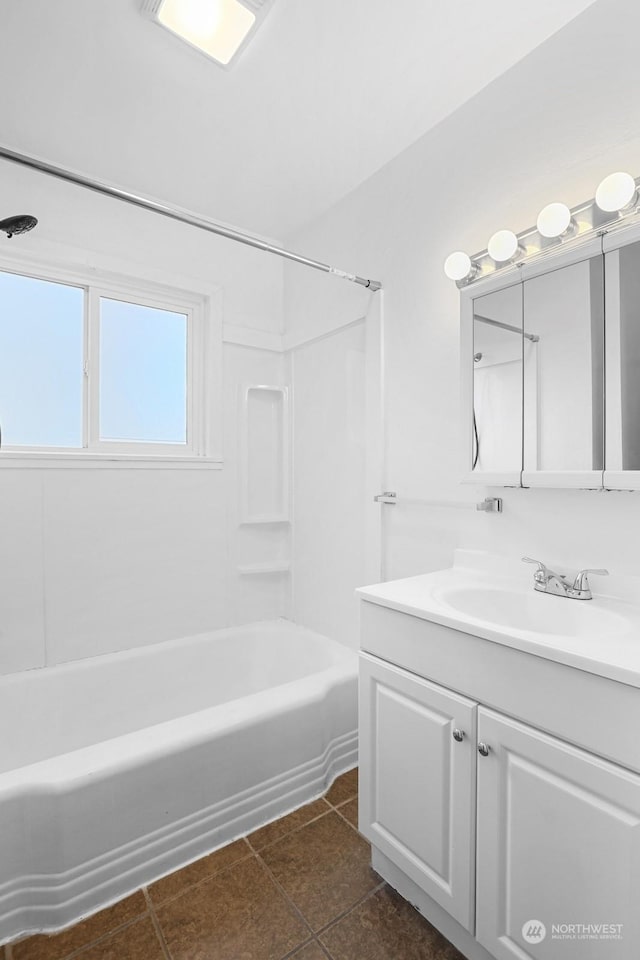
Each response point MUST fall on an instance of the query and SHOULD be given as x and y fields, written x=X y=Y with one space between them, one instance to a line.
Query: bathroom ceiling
x=324 y=95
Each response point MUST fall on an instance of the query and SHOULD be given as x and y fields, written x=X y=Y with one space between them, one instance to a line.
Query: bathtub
x=119 y=769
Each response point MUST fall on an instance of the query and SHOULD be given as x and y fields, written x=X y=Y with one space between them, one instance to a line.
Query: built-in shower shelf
x=264 y=454
x=250 y=569
x=265 y=519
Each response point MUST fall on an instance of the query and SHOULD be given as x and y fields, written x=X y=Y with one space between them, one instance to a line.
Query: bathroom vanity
x=500 y=759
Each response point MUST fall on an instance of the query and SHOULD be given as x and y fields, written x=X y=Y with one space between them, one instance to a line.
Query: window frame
x=203 y=379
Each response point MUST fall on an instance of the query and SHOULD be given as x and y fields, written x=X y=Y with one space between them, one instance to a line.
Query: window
x=41 y=362
x=114 y=370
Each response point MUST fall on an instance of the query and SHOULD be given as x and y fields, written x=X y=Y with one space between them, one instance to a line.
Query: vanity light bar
x=616 y=199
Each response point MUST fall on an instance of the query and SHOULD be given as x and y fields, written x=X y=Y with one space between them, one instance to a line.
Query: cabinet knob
x=483 y=749
x=458 y=735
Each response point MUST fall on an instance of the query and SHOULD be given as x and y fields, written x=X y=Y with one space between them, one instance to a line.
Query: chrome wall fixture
x=616 y=201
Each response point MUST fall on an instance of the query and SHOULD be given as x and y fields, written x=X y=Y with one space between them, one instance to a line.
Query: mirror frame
x=612 y=241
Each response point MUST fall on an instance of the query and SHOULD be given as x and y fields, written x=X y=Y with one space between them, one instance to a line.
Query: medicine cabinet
x=550 y=354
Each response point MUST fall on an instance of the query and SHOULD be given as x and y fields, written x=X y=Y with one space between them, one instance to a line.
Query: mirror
x=550 y=366
x=563 y=368
x=497 y=382
x=623 y=358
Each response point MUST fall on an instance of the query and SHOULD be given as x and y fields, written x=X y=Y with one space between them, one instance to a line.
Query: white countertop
x=602 y=635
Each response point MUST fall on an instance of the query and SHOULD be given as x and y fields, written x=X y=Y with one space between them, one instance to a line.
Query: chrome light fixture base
x=584 y=220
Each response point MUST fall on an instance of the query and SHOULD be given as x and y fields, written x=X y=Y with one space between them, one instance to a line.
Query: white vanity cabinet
x=417 y=781
x=558 y=844
x=517 y=837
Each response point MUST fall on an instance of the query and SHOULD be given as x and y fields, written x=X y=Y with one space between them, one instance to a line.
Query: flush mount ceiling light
x=555 y=220
x=216 y=28
x=616 y=193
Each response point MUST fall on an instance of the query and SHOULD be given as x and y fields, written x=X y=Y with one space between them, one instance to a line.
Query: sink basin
x=535 y=612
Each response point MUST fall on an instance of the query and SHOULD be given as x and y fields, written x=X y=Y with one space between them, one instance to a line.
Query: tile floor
x=300 y=888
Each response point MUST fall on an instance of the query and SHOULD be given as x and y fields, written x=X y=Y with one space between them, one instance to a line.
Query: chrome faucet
x=547 y=581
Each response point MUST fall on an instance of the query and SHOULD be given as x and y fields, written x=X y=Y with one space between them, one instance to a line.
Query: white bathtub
x=117 y=770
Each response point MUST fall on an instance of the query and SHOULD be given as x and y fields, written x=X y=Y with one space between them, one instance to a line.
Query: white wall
x=549 y=129
x=95 y=560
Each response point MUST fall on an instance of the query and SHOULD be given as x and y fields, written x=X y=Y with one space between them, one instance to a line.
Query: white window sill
x=35 y=459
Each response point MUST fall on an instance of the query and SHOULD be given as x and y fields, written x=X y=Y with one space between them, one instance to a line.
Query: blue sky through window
x=41 y=359
x=143 y=367
x=143 y=373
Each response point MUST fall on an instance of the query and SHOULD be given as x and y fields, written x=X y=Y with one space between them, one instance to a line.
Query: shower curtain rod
x=507 y=326
x=173 y=213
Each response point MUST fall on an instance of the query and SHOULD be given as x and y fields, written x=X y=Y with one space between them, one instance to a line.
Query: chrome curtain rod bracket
x=173 y=213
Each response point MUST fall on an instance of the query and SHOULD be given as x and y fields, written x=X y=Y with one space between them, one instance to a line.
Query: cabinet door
x=558 y=868
x=417 y=783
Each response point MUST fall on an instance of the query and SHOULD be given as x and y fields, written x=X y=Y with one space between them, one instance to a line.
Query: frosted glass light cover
x=502 y=246
x=554 y=220
x=616 y=192
x=217 y=27
x=458 y=265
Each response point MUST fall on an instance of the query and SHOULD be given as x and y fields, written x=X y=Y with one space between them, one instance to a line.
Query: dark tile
x=386 y=927
x=139 y=941
x=324 y=868
x=312 y=951
x=59 y=945
x=279 y=828
x=239 y=914
x=349 y=810
x=176 y=883
x=343 y=788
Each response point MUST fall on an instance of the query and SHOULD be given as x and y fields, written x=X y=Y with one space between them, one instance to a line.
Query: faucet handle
x=541 y=573
x=581 y=581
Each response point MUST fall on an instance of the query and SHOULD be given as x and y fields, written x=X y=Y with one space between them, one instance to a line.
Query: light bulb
x=503 y=246
x=554 y=220
x=458 y=265
x=616 y=192
x=194 y=18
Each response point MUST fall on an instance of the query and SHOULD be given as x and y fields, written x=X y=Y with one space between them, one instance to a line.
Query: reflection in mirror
x=623 y=358
x=563 y=368
x=497 y=381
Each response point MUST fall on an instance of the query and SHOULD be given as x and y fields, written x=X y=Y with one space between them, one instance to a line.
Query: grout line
x=352 y=825
x=289 y=833
x=300 y=946
x=335 y=919
x=286 y=896
x=156 y=925
x=198 y=883
x=99 y=940
x=324 y=950
x=353 y=907
x=336 y=806
x=343 y=803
